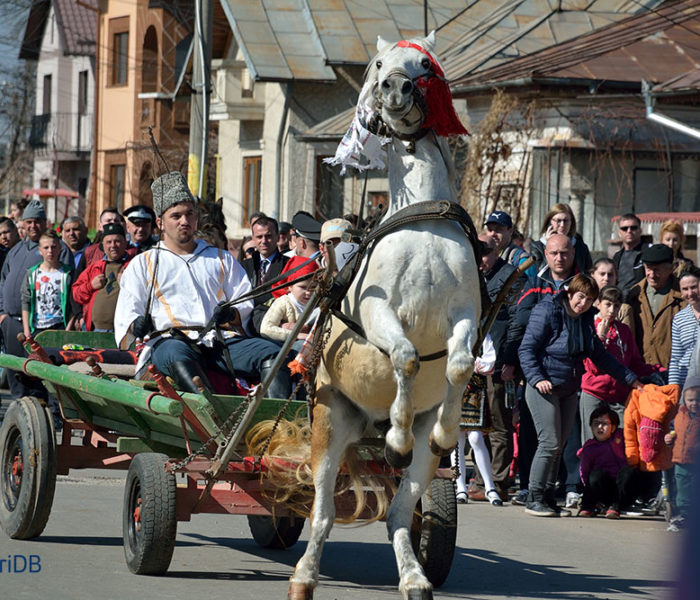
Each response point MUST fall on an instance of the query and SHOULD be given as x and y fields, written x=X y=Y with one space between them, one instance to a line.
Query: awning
x=50 y=193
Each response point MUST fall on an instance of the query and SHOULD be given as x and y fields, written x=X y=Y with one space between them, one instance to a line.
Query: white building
x=61 y=35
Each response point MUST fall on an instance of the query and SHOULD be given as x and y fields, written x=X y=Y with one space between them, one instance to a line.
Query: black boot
x=183 y=371
x=281 y=385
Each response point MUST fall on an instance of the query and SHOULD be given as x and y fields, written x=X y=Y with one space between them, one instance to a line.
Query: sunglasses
x=629 y=228
x=250 y=251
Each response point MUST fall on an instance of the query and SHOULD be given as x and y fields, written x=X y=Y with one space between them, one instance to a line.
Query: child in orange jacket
x=647 y=419
x=685 y=440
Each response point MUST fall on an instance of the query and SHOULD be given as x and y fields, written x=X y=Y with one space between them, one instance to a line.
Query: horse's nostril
x=406 y=87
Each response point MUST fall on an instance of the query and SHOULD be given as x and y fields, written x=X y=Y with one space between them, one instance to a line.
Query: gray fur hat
x=34 y=210
x=168 y=190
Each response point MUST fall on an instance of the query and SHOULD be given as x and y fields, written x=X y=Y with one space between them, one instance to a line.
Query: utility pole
x=201 y=88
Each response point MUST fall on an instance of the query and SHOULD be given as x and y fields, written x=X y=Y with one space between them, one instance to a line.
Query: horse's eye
x=425 y=63
x=379 y=64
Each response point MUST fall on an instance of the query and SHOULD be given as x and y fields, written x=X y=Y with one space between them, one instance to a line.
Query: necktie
x=262 y=276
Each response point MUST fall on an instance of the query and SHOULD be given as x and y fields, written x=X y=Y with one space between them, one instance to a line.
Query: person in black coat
x=505 y=340
x=265 y=264
x=559 y=336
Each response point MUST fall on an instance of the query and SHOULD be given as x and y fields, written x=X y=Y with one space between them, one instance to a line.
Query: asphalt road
x=502 y=553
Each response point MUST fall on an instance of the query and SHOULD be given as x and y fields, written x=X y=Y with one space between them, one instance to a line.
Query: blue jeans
x=247 y=354
x=553 y=416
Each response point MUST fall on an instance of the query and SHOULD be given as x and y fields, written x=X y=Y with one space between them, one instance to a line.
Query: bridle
x=376 y=124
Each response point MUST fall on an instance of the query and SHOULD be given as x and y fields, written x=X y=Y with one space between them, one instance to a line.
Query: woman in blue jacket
x=559 y=336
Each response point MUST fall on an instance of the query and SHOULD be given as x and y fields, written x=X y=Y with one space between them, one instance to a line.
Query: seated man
x=97 y=287
x=171 y=291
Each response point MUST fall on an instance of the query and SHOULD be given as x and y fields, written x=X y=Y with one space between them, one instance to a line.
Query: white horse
x=417 y=293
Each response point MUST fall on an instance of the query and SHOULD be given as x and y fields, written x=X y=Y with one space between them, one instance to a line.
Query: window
x=251 y=186
x=116 y=186
x=82 y=92
x=119 y=52
x=46 y=105
x=44 y=183
x=329 y=190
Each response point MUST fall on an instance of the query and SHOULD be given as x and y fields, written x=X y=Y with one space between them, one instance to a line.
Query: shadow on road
x=474 y=572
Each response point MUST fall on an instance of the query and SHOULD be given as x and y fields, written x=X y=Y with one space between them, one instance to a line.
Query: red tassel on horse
x=441 y=112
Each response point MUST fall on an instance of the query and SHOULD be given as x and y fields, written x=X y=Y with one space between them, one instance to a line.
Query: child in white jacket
x=284 y=312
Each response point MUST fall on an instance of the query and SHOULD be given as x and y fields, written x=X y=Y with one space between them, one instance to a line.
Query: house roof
x=659 y=43
x=489 y=33
x=76 y=22
x=284 y=40
x=684 y=83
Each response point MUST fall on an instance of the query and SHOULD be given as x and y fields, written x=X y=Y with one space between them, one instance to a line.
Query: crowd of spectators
x=577 y=347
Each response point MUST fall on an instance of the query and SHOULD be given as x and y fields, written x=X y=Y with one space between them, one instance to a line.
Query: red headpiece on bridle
x=441 y=112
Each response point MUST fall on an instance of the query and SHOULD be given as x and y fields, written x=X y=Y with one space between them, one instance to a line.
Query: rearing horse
x=416 y=295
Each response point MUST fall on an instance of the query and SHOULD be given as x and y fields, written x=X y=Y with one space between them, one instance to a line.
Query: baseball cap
x=334 y=228
x=501 y=218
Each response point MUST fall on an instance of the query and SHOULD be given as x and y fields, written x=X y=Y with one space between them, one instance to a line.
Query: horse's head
x=406 y=87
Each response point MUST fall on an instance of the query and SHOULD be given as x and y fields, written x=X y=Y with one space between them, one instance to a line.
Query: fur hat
x=34 y=210
x=168 y=190
x=113 y=229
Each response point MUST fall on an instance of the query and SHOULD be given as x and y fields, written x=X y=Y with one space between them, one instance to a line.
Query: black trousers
x=612 y=492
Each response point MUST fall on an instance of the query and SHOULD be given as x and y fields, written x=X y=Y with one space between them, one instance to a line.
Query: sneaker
x=572 y=499
x=520 y=498
x=632 y=512
x=611 y=513
x=538 y=509
x=584 y=512
x=462 y=497
x=494 y=498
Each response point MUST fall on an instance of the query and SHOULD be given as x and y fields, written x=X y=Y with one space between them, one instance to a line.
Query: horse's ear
x=219 y=201
x=429 y=42
x=381 y=43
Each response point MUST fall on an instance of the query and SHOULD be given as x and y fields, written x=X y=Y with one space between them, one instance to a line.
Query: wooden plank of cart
x=183 y=452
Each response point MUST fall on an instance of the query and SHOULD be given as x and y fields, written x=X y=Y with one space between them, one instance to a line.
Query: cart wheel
x=278 y=533
x=149 y=521
x=434 y=534
x=27 y=469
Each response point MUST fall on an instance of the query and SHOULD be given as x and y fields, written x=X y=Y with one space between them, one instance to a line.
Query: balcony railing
x=62 y=132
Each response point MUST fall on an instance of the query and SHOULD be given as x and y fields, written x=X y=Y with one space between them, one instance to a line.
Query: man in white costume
x=181 y=283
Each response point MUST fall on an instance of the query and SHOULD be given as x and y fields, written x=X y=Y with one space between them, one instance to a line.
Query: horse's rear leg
x=460 y=366
x=413 y=583
x=384 y=330
x=337 y=423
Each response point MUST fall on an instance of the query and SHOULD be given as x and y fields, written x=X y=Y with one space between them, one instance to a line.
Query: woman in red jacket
x=599 y=388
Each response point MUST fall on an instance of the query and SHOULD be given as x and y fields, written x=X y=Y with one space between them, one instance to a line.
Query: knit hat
x=34 y=210
x=691 y=382
x=168 y=190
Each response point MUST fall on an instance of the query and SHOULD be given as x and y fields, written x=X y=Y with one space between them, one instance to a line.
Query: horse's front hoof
x=299 y=591
x=438 y=450
x=418 y=594
x=396 y=460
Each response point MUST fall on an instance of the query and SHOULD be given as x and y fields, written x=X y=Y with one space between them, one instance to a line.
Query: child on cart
x=284 y=312
x=685 y=439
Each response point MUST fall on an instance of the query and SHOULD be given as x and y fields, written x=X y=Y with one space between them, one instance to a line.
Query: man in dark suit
x=266 y=263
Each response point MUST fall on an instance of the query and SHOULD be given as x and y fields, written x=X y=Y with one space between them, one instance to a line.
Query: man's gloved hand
x=225 y=313
x=142 y=326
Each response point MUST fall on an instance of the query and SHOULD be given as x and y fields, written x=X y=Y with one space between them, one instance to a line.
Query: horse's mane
x=212 y=223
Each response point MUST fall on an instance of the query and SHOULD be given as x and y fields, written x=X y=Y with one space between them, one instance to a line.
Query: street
x=501 y=553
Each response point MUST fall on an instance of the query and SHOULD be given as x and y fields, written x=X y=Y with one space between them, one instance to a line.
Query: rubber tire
x=150 y=550
x=47 y=474
x=24 y=513
x=277 y=533
x=434 y=534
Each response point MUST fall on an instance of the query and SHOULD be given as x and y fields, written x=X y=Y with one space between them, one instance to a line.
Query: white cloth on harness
x=185 y=293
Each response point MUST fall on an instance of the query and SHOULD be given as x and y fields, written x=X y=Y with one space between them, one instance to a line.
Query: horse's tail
x=287 y=467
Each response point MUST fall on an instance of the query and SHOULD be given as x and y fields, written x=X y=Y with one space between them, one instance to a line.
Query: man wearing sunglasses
x=628 y=260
